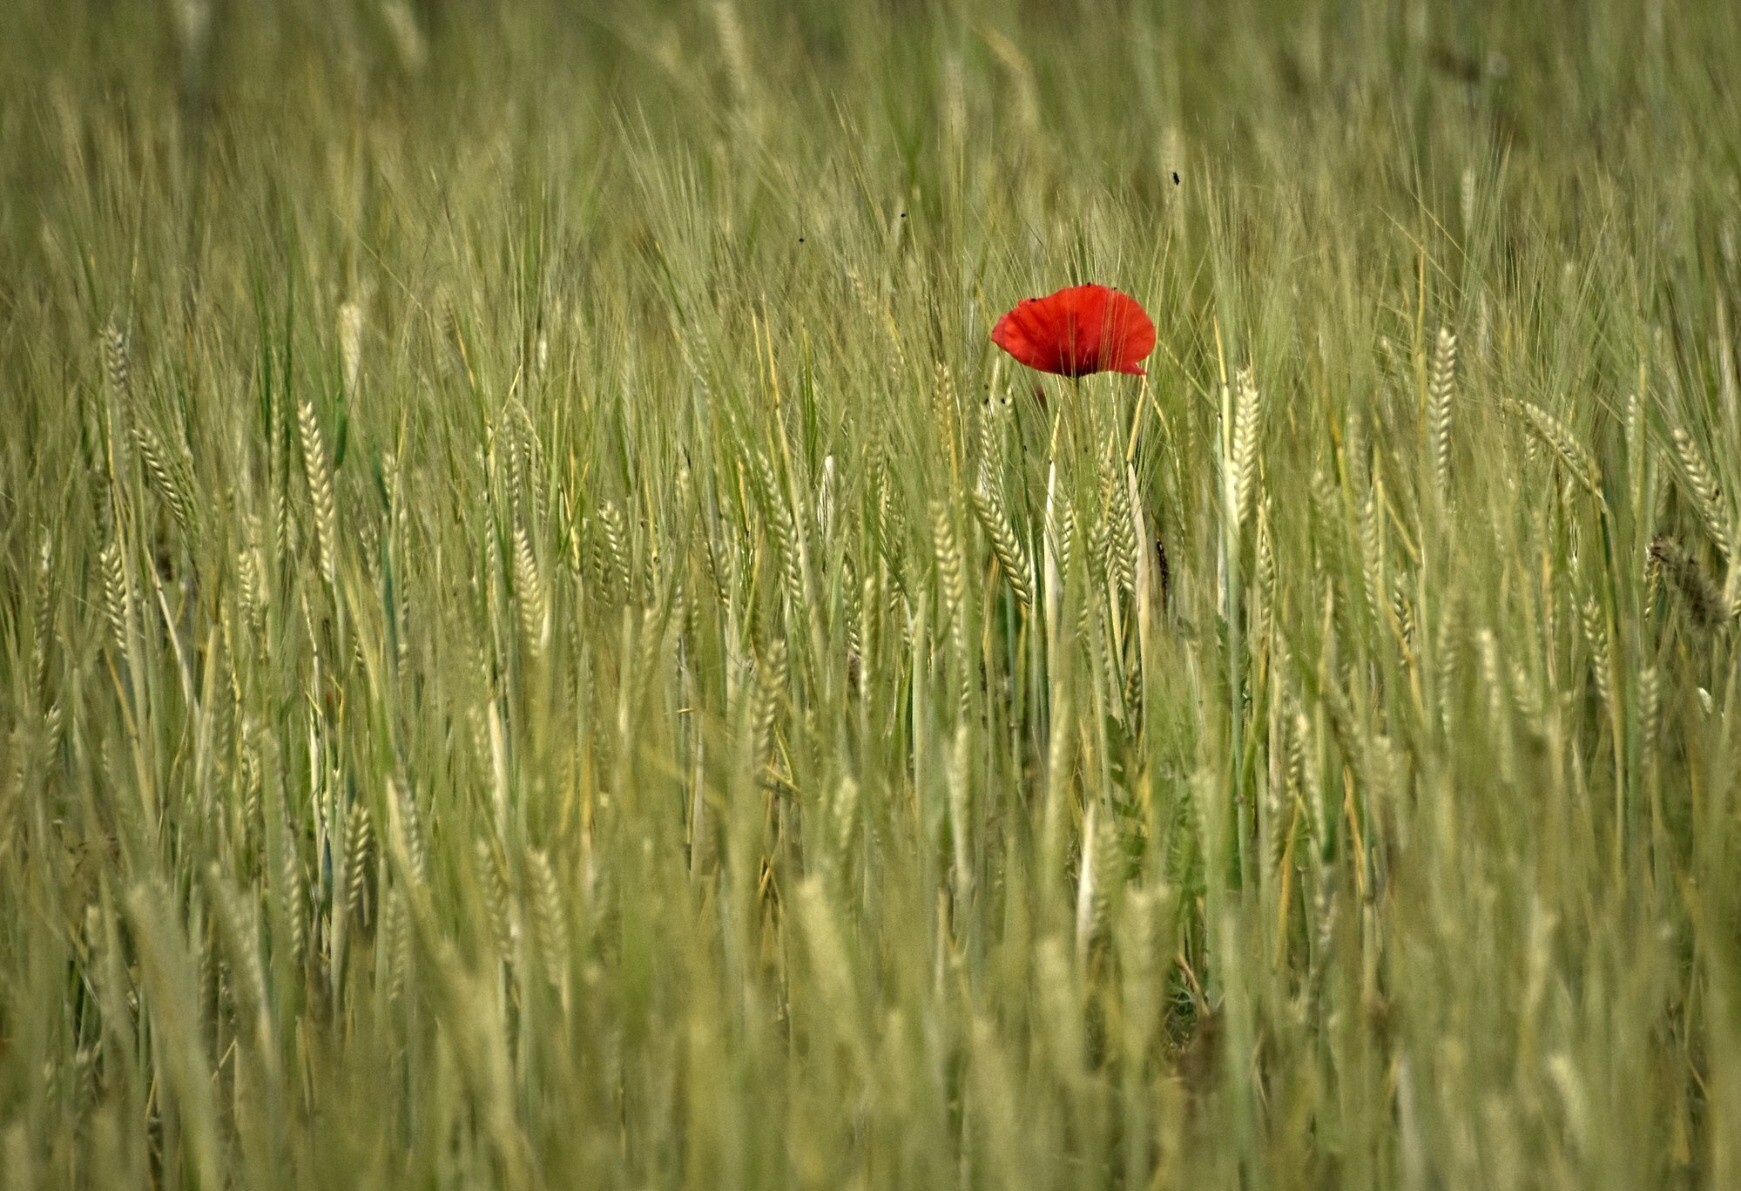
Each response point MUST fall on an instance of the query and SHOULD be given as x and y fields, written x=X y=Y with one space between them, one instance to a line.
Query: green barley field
x=541 y=644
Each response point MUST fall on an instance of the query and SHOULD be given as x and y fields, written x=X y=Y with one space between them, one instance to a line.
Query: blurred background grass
x=543 y=647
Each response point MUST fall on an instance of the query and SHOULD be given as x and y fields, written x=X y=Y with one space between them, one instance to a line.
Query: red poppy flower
x=1082 y=329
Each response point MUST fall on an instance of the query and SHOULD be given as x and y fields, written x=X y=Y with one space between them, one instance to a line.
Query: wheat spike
x=948 y=551
x=1559 y=439
x=1011 y=554
x=407 y=829
x=945 y=410
x=117 y=593
x=1102 y=556
x=529 y=591
x=783 y=527
x=395 y=943
x=359 y=851
x=251 y=586
x=960 y=789
x=498 y=903
x=1265 y=584
x=734 y=50
x=291 y=899
x=825 y=501
x=1649 y=711
x=1707 y=496
x=1372 y=547
x=769 y=689
x=526 y=464
x=1439 y=391
x=1403 y=611
x=168 y=474
x=549 y=922
x=615 y=534
x=350 y=343
x=1246 y=412
x=1094 y=882
x=952 y=575
x=1596 y=637
x=1117 y=526
x=118 y=363
x=42 y=611
x=317 y=469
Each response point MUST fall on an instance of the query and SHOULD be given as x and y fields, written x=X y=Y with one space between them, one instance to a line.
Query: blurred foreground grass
x=541 y=646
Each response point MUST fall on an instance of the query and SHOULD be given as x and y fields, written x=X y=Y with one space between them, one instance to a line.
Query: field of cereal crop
x=542 y=644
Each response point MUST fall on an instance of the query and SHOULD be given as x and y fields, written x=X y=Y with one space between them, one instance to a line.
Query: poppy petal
x=1028 y=333
x=1130 y=336
x=1077 y=331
